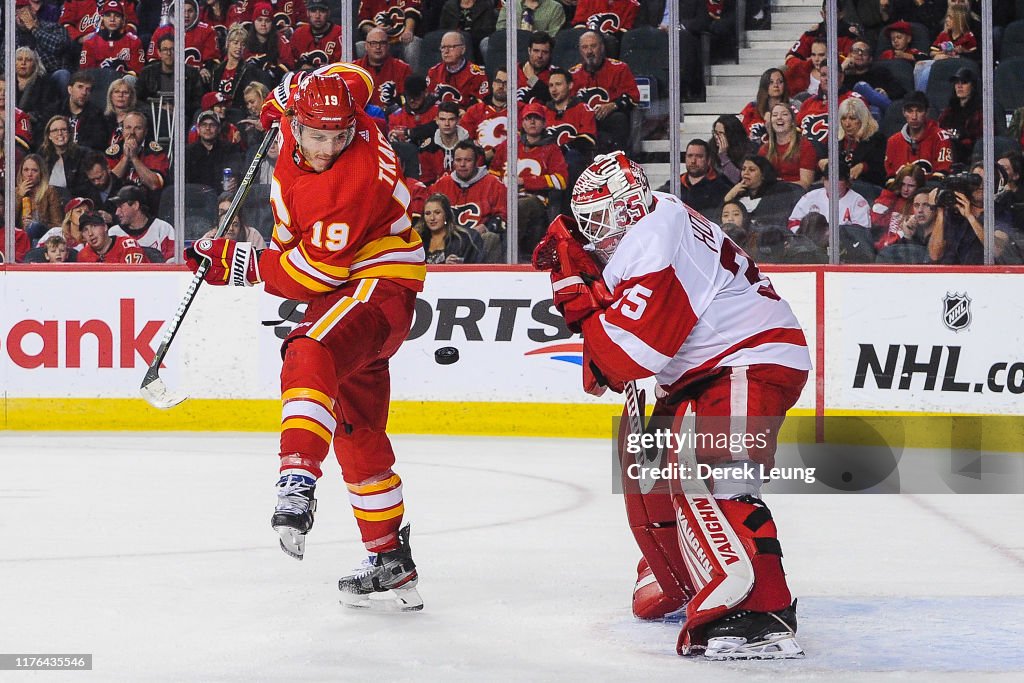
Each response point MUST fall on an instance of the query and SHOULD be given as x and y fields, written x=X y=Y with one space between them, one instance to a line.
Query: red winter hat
x=211 y=99
x=112 y=6
x=901 y=26
x=77 y=202
x=533 y=109
x=21 y=3
x=262 y=10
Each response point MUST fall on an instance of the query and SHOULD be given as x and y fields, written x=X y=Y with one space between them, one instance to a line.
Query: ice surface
x=155 y=553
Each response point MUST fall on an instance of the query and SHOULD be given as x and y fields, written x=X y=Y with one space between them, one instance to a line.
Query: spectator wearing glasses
x=389 y=72
x=875 y=84
x=398 y=19
x=157 y=78
x=455 y=78
x=476 y=18
x=65 y=159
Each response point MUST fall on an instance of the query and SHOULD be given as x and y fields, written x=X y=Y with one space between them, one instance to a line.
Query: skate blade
x=394 y=600
x=293 y=543
x=774 y=646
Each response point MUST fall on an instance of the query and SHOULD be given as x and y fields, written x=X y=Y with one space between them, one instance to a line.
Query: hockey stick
x=153 y=388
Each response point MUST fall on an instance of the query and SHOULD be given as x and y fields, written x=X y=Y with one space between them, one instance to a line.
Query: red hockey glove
x=276 y=102
x=231 y=263
x=576 y=283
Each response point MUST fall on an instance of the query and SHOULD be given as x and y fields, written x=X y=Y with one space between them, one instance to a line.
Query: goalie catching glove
x=576 y=283
x=230 y=262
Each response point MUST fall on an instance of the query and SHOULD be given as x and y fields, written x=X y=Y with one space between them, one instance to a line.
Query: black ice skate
x=293 y=516
x=386 y=582
x=754 y=635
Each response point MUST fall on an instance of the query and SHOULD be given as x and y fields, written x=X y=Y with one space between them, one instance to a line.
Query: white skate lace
x=291 y=498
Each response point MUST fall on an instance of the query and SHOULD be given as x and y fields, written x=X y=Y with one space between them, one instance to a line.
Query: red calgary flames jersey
x=389 y=15
x=388 y=80
x=933 y=146
x=613 y=81
x=200 y=44
x=123 y=250
x=350 y=222
x=80 y=17
x=463 y=87
x=123 y=54
x=473 y=204
x=541 y=167
x=308 y=50
x=485 y=124
x=606 y=16
x=572 y=124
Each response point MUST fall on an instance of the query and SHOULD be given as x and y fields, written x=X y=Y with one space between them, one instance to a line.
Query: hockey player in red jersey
x=343 y=243
x=670 y=295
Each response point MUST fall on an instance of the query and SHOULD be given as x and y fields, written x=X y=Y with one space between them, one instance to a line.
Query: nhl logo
x=956 y=311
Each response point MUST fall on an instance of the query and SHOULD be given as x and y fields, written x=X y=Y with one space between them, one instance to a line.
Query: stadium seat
x=1013 y=37
x=855 y=244
x=893 y=119
x=939 y=87
x=868 y=191
x=1009 y=85
x=901 y=70
x=101 y=80
x=567 y=49
x=906 y=253
x=921 y=39
x=645 y=50
x=153 y=254
x=494 y=58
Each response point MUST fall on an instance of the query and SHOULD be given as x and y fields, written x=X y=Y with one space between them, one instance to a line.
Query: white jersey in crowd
x=158 y=234
x=688 y=301
x=853 y=208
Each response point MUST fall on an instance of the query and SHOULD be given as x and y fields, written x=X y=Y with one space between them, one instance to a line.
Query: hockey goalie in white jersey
x=658 y=290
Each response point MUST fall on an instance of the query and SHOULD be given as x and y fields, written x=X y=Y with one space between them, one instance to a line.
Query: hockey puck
x=446 y=355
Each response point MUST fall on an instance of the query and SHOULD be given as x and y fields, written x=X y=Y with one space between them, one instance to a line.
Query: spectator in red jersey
x=962 y=118
x=571 y=124
x=436 y=152
x=234 y=73
x=900 y=35
x=847 y=33
x=771 y=90
x=887 y=211
x=318 y=42
x=289 y=15
x=610 y=18
x=139 y=160
x=485 y=120
x=444 y=240
x=920 y=138
x=792 y=156
x=134 y=221
x=22 y=126
x=201 y=47
x=542 y=176
x=412 y=122
x=398 y=19
x=111 y=46
x=478 y=199
x=535 y=71
x=455 y=78
x=266 y=49
x=157 y=79
x=475 y=18
x=803 y=75
x=389 y=72
x=219 y=16
x=955 y=40
x=101 y=247
x=861 y=143
x=608 y=88
x=813 y=115
x=22 y=243
x=88 y=125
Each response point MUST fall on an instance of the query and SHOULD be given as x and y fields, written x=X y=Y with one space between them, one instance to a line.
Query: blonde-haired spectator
x=861 y=142
x=38 y=205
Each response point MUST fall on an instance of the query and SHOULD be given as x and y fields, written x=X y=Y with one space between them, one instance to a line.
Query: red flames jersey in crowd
x=476 y=203
x=290 y=13
x=125 y=54
x=284 y=55
x=752 y=120
x=403 y=118
x=348 y=223
x=688 y=302
x=575 y=122
x=934 y=146
x=200 y=44
x=22 y=129
x=80 y=17
x=613 y=81
x=813 y=116
x=152 y=155
x=389 y=15
x=606 y=16
x=464 y=87
x=123 y=250
x=155 y=234
x=309 y=50
x=528 y=93
x=485 y=124
x=388 y=80
x=541 y=167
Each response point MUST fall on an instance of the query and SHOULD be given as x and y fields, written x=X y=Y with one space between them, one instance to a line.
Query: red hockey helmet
x=323 y=101
x=610 y=196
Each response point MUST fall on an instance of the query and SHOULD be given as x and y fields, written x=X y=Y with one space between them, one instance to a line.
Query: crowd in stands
x=94 y=109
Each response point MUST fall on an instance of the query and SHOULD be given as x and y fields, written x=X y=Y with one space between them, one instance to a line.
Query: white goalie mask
x=610 y=196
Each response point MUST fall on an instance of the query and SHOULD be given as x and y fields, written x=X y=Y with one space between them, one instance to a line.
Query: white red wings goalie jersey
x=688 y=301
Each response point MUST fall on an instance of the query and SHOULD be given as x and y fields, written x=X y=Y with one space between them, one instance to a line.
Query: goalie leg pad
x=751 y=523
